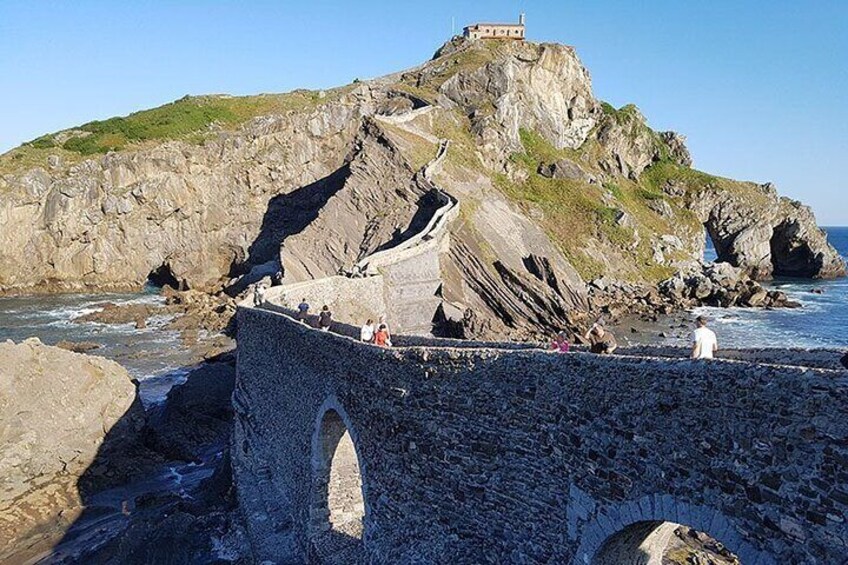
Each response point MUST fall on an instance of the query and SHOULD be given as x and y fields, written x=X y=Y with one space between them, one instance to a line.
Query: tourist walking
x=325 y=318
x=303 y=311
x=366 y=332
x=382 y=322
x=258 y=294
x=601 y=341
x=381 y=338
x=560 y=343
x=704 y=340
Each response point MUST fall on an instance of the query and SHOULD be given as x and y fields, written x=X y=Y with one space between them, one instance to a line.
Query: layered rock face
x=56 y=408
x=543 y=87
x=109 y=222
x=555 y=188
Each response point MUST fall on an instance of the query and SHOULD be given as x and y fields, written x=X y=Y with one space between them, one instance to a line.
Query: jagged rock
x=662 y=208
x=540 y=87
x=678 y=152
x=630 y=148
x=767 y=236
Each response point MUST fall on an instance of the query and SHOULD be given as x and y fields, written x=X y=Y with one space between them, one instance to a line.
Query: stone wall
x=399 y=284
x=350 y=300
x=535 y=457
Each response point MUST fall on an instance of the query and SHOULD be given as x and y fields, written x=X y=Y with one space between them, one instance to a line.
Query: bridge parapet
x=526 y=455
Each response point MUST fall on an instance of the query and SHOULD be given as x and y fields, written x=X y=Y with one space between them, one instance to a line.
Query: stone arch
x=636 y=532
x=337 y=512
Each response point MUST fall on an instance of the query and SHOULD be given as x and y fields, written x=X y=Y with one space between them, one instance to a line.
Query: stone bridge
x=444 y=451
x=441 y=451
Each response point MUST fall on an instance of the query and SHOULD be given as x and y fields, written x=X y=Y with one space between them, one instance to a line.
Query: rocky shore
x=88 y=475
x=205 y=321
x=707 y=284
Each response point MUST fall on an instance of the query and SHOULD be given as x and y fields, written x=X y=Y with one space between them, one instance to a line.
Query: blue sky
x=759 y=88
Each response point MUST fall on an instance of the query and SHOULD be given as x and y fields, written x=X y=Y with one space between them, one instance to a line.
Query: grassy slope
x=576 y=211
x=190 y=119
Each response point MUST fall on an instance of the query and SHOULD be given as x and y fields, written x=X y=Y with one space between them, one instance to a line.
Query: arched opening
x=791 y=254
x=662 y=543
x=711 y=253
x=162 y=276
x=338 y=507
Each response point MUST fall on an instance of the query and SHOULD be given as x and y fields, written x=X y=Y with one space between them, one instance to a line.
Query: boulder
x=60 y=412
x=565 y=169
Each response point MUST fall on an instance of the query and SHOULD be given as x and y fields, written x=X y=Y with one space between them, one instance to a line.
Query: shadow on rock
x=163 y=494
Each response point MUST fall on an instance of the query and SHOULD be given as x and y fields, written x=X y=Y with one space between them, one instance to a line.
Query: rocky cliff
x=556 y=189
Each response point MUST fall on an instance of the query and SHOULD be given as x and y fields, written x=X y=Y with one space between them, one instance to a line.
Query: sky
x=759 y=88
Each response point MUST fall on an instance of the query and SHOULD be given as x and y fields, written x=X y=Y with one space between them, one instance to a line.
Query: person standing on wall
x=258 y=294
x=704 y=340
x=325 y=318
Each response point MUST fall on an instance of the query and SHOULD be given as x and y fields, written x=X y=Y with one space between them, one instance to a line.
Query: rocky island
x=556 y=189
x=538 y=208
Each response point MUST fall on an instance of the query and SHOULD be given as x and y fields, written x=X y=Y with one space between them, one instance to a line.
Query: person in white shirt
x=705 y=343
x=366 y=333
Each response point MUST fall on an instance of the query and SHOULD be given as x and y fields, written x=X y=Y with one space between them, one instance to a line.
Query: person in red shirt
x=381 y=337
x=560 y=343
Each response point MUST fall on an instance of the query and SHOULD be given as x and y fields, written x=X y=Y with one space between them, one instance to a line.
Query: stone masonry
x=487 y=454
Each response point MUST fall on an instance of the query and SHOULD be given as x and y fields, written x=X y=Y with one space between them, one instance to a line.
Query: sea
x=153 y=355
x=157 y=358
x=821 y=322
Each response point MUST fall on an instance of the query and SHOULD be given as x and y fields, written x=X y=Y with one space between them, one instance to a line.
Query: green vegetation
x=614 y=189
x=462 y=157
x=417 y=149
x=43 y=142
x=189 y=119
x=624 y=115
x=188 y=115
x=575 y=212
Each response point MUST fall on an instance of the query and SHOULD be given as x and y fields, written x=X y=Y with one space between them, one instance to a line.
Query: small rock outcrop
x=766 y=235
x=57 y=409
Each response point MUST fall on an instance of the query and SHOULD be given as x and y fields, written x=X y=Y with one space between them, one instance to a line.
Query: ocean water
x=153 y=355
x=822 y=321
